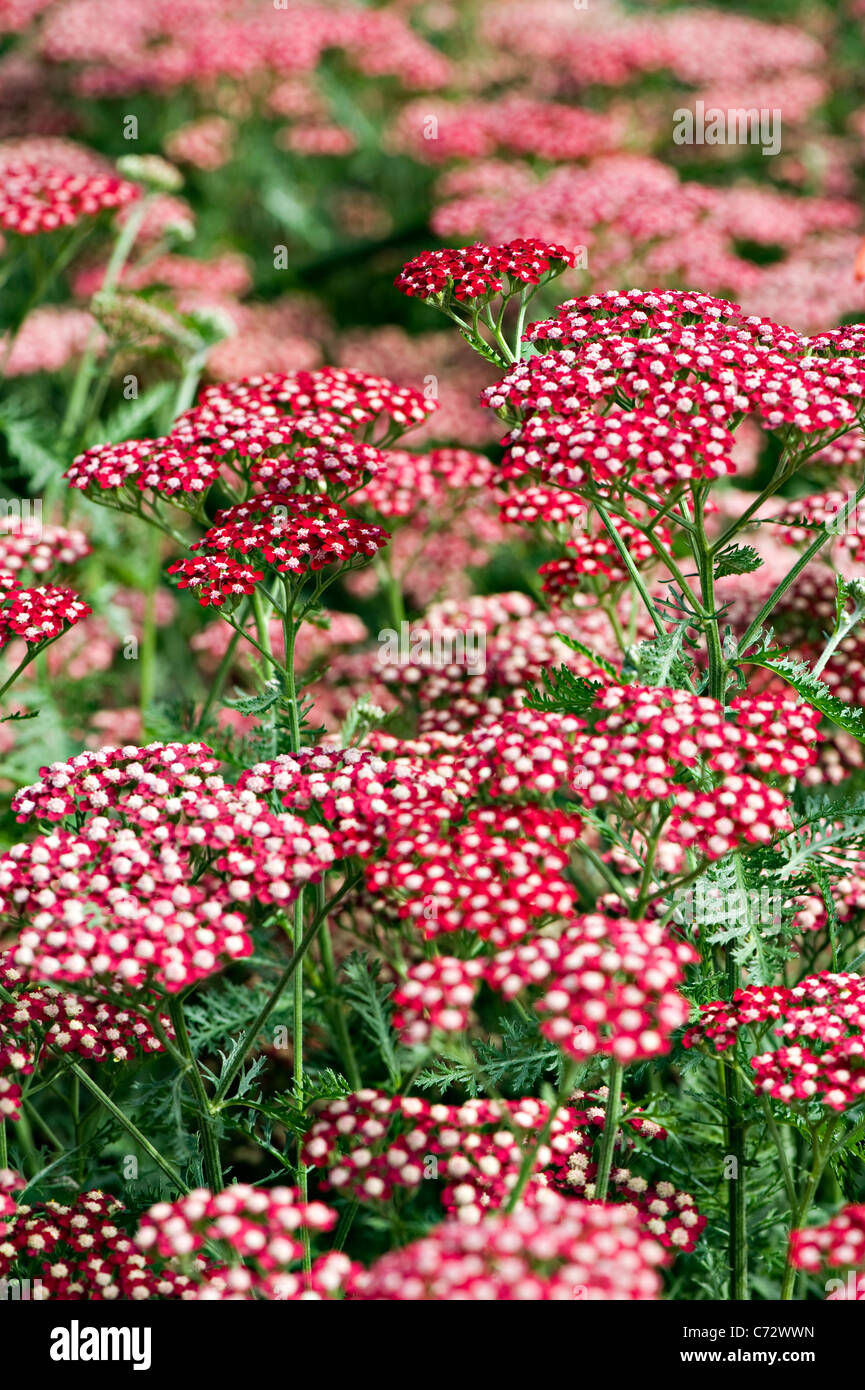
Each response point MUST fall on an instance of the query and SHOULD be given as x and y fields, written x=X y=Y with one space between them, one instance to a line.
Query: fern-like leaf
x=851 y=718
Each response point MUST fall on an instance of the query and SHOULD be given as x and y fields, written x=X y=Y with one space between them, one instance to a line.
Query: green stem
x=703 y=556
x=289 y=636
x=843 y=629
x=530 y=1157
x=271 y=1002
x=224 y=667
x=778 y=1140
x=206 y=1115
x=131 y=1129
x=147 y=682
x=299 y=1082
x=800 y=1215
x=737 y=1245
x=612 y=1111
x=30 y=655
x=84 y=375
x=632 y=569
x=804 y=559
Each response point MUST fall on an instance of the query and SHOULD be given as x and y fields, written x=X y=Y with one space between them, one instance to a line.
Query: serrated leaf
x=659 y=661
x=737 y=559
x=565 y=692
x=850 y=718
x=600 y=661
x=255 y=704
x=371 y=1003
x=481 y=347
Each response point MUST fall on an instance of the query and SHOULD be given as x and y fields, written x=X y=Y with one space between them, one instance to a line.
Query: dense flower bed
x=432 y=672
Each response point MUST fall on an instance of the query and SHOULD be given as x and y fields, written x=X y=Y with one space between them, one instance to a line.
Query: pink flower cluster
x=476 y=272
x=90 y=1027
x=839 y=1244
x=160 y=894
x=821 y=1027
x=261 y=1227
x=36 y=199
x=26 y=544
x=291 y=532
x=605 y=986
x=80 y=1252
x=554 y=1250
x=36 y=615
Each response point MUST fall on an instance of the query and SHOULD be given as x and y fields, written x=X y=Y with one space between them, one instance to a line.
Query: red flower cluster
x=500 y=876
x=89 y=1026
x=110 y=903
x=364 y=798
x=648 y=743
x=35 y=198
x=80 y=1253
x=674 y=367
x=533 y=505
x=36 y=615
x=663 y=1212
x=129 y=899
x=837 y=1245
x=292 y=532
x=372 y=1144
x=282 y=409
x=438 y=994
x=169 y=466
x=475 y=272
x=339 y=468
x=259 y=1225
x=135 y=781
x=554 y=1250
x=608 y=986
x=214 y=580
x=598 y=555
x=821 y=1024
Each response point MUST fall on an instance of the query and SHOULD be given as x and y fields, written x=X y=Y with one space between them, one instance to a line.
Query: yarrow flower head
x=839 y=1244
x=30 y=545
x=37 y=615
x=89 y=1026
x=604 y=986
x=555 y=1250
x=436 y=994
x=79 y=1251
x=288 y=410
x=645 y=745
x=261 y=1226
x=476 y=272
x=293 y=532
x=147 y=782
x=369 y=1145
x=215 y=580
x=820 y=1024
x=123 y=898
x=169 y=466
x=35 y=198
x=338 y=468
